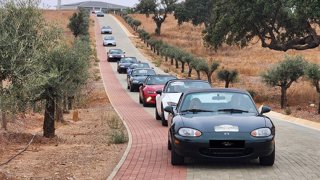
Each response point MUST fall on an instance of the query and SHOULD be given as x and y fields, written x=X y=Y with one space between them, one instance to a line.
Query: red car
x=147 y=92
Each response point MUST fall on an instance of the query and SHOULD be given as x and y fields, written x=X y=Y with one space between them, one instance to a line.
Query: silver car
x=109 y=41
x=106 y=30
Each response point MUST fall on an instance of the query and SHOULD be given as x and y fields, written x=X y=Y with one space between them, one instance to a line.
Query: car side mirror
x=159 y=92
x=265 y=109
x=168 y=109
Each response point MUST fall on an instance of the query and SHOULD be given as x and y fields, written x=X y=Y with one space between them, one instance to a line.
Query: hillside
x=250 y=61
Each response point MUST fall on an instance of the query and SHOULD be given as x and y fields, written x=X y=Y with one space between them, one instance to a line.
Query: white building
x=93 y=6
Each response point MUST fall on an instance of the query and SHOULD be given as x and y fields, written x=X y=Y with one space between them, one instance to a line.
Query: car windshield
x=143 y=72
x=109 y=38
x=139 y=65
x=218 y=102
x=128 y=60
x=182 y=86
x=106 y=27
x=159 y=80
x=115 y=51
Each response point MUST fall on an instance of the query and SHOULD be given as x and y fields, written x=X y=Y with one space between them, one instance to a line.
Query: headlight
x=135 y=81
x=172 y=104
x=122 y=66
x=122 y=55
x=262 y=132
x=189 y=132
x=151 y=92
x=110 y=56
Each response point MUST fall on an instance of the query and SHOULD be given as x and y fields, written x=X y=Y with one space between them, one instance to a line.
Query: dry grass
x=250 y=61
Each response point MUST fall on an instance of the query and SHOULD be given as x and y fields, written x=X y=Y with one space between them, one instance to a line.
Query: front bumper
x=106 y=32
x=122 y=69
x=207 y=148
x=114 y=58
x=150 y=98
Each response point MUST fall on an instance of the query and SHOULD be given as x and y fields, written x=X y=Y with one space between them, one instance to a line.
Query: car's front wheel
x=131 y=89
x=158 y=117
x=176 y=159
x=163 y=119
x=140 y=100
x=268 y=160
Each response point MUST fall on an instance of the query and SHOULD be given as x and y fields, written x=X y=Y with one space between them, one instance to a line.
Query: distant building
x=93 y=6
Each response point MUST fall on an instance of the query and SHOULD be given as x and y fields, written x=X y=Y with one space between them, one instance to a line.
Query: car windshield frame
x=223 y=103
x=153 y=81
x=185 y=85
x=115 y=51
x=148 y=73
x=108 y=38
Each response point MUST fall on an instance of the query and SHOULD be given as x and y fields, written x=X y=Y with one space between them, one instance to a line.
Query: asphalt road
x=297 y=147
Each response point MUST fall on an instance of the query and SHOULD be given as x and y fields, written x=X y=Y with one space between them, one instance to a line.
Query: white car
x=171 y=93
x=109 y=41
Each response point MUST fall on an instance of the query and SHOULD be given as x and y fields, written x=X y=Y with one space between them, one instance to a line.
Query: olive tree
x=313 y=74
x=283 y=74
x=79 y=23
x=208 y=68
x=228 y=76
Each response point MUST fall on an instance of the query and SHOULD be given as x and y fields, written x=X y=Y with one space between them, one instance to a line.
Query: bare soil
x=80 y=150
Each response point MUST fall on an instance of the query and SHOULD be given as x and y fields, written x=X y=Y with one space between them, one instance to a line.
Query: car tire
x=140 y=100
x=131 y=89
x=158 y=117
x=267 y=160
x=163 y=120
x=119 y=71
x=169 y=145
x=144 y=103
x=176 y=159
x=128 y=87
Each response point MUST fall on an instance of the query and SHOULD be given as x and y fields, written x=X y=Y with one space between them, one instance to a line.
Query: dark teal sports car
x=220 y=124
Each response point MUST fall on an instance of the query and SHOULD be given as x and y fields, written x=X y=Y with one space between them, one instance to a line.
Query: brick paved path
x=148 y=157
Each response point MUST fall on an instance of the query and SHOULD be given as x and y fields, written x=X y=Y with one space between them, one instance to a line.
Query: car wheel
x=131 y=89
x=158 y=117
x=163 y=120
x=140 y=100
x=119 y=71
x=144 y=103
x=169 y=145
x=108 y=60
x=176 y=159
x=268 y=160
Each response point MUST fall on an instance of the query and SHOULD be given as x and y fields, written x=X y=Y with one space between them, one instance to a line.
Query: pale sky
x=52 y=3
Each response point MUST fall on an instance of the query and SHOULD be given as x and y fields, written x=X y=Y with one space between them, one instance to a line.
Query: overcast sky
x=52 y=3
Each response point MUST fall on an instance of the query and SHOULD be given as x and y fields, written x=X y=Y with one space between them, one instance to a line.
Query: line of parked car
x=204 y=122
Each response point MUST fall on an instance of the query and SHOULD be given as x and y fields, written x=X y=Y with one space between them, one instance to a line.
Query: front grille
x=226 y=152
x=227 y=144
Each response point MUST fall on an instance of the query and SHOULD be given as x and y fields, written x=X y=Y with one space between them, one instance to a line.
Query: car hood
x=139 y=78
x=170 y=97
x=154 y=87
x=125 y=64
x=206 y=122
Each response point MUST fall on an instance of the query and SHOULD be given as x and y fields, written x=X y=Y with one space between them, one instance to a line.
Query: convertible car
x=147 y=92
x=220 y=123
x=171 y=94
x=137 y=76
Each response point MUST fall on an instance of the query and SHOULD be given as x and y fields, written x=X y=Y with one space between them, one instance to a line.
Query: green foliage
x=79 y=23
x=159 y=10
x=284 y=74
x=196 y=11
x=312 y=72
x=228 y=76
x=280 y=25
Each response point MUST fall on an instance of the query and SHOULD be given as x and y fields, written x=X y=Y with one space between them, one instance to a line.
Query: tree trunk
x=4 y=120
x=158 y=29
x=177 y=64
x=166 y=58
x=59 y=110
x=227 y=84
x=198 y=75
x=283 y=97
x=209 y=77
x=48 y=125
x=70 y=102
x=65 y=105
x=190 y=71
x=319 y=103
x=154 y=49
x=182 y=67
x=171 y=61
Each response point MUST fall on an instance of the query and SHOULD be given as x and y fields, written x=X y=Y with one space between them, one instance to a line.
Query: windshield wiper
x=196 y=110
x=233 y=110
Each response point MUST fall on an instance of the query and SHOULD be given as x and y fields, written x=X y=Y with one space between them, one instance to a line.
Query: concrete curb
x=294 y=120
